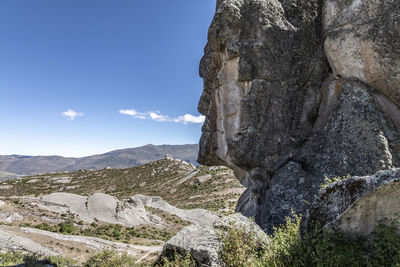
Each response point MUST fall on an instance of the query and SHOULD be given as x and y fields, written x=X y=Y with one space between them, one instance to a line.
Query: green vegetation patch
x=112 y=232
x=32 y=260
x=321 y=248
x=160 y=178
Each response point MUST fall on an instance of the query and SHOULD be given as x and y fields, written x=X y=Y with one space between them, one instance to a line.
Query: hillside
x=176 y=181
x=16 y=165
x=43 y=208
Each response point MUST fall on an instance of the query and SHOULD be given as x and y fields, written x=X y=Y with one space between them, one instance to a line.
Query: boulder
x=9 y=217
x=203 y=242
x=356 y=205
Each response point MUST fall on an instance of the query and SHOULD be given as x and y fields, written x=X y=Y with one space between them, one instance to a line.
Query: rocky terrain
x=134 y=210
x=302 y=103
x=13 y=166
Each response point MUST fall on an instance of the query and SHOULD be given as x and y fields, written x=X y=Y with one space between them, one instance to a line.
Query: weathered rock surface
x=129 y=212
x=45 y=243
x=101 y=207
x=11 y=241
x=262 y=69
x=203 y=242
x=95 y=243
x=362 y=41
x=197 y=216
x=279 y=117
x=9 y=216
x=356 y=205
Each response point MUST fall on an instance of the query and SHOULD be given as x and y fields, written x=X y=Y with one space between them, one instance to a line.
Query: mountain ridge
x=12 y=166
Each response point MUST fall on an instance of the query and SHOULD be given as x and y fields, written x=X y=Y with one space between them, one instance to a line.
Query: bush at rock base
x=321 y=248
x=12 y=258
x=178 y=260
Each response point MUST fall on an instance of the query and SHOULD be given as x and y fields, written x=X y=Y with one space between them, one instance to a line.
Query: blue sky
x=82 y=77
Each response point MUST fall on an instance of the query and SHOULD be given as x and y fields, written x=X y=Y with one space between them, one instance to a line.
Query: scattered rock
x=217 y=168
x=6 y=186
x=201 y=179
x=61 y=180
x=32 y=181
x=188 y=177
x=9 y=216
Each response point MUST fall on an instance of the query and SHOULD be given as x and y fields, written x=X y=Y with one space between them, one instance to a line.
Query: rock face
x=356 y=205
x=362 y=41
x=281 y=116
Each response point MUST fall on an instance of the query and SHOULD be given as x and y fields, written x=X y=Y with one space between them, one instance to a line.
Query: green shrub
x=109 y=258
x=33 y=260
x=11 y=258
x=239 y=247
x=67 y=228
x=321 y=248
x=385 y=246
x=60 y=261
x=177 y=260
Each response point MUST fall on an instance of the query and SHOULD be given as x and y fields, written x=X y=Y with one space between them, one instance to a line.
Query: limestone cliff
x=296 y=90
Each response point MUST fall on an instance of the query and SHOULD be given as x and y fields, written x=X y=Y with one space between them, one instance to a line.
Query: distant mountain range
x=12 y=166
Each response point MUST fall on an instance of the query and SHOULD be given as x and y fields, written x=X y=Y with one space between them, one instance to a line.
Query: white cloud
x=189 y=118
x=133 y=113
x=157 y=116
x=71 y=114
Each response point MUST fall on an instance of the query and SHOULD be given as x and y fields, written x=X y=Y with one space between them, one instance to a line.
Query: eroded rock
x=362 y=41
x=355 y=206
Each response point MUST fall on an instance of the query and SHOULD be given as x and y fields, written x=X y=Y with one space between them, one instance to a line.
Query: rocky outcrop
x=99 y=207
x=203 y=242
x=105 y=208
x=356 y=205
x=196 y=216
x=283 y=118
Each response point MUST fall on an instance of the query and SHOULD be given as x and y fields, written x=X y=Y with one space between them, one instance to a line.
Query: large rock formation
x=283 y=117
